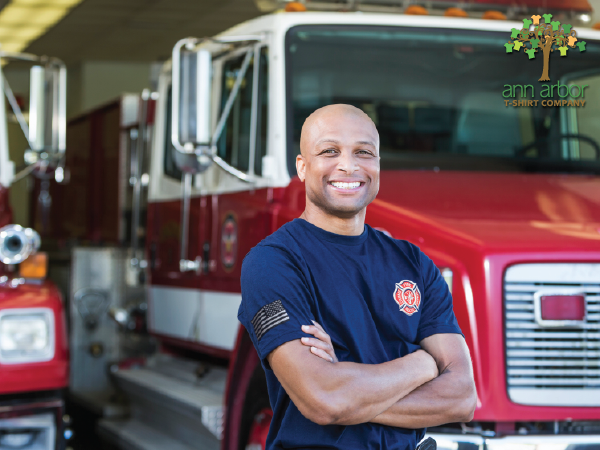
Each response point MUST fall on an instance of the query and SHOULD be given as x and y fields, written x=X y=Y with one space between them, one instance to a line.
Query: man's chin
x=344 y=208
x=345 y=211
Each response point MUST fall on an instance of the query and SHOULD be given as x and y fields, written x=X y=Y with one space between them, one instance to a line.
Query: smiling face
x=339 y=160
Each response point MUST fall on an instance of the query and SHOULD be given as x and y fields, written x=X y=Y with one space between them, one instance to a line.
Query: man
x=400 y=362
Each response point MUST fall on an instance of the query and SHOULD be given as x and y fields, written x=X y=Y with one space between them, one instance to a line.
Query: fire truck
x=505 y=201
x=34 y=358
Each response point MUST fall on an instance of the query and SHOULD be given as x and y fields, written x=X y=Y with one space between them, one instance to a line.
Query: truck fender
x=244 y=361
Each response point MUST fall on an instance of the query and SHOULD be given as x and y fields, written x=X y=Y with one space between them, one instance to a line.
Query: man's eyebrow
x=331 y=141
x=366 y=143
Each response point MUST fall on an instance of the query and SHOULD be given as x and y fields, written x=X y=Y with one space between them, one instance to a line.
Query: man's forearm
x=367 y=390
x=346 y=393
x=448 y=398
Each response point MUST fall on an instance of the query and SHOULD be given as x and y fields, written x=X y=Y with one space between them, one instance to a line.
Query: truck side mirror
x=48 y=109
x=191 y=81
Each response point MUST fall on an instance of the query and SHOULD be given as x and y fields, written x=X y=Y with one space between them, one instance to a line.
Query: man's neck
x=347 y=226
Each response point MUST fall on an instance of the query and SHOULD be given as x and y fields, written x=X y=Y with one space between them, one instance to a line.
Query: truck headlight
x=26 y=335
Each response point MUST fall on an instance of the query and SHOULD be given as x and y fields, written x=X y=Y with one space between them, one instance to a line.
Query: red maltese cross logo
x=408 y=297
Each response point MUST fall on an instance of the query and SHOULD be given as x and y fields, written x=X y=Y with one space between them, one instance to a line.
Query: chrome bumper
x=531 y=442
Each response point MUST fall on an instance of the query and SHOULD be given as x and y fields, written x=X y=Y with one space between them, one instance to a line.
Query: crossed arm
x=426 y=388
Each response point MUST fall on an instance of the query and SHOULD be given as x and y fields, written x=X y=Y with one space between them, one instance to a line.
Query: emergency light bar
x=579 y=9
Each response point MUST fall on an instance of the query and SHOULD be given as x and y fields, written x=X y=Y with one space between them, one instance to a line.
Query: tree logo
x=548 y=36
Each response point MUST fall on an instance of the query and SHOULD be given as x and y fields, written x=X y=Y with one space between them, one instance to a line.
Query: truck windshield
x=436 y=97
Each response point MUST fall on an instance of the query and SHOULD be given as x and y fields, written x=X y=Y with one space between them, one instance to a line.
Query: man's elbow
x=321 y=415
x=466 y=408
x=326 y=410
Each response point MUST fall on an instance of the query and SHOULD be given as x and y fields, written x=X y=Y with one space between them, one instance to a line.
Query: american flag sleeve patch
x=267 y=317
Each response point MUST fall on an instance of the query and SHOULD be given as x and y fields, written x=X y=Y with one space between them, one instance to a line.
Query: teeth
x=346 y=185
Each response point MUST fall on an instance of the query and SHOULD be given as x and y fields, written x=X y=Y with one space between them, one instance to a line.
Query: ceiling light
x=24 y=21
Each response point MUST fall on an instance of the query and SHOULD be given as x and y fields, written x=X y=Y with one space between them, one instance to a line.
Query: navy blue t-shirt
x=377 y=297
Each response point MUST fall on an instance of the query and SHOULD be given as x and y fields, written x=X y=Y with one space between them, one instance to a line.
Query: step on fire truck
x=34 y=358
x=505 y=200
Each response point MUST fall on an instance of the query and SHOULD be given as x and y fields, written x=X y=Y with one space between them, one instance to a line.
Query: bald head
x=320 y=120
x=339 y=162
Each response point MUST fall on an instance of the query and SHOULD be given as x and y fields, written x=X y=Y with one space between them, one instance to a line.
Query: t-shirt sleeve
x=437 y=314
x=275 y=299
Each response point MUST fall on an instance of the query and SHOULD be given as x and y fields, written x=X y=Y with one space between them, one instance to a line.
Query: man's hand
x=321 y=344
x=345 y=393
x=322 y=347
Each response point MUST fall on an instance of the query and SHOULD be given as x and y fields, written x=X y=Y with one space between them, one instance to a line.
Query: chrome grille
x=552 y=366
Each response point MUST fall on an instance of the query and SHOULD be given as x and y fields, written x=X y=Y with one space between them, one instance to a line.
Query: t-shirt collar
x=335 y=238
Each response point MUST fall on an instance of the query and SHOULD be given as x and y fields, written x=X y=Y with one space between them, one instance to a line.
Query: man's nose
x=348 y=163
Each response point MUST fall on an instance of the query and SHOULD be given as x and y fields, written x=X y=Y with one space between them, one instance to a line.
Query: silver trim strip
x=554 y=273
x=552 y=397
x=531 y=442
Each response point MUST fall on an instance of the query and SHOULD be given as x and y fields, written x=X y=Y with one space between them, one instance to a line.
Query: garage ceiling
x=137 y=30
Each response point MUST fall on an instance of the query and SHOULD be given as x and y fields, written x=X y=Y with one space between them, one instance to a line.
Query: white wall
x=97 y=82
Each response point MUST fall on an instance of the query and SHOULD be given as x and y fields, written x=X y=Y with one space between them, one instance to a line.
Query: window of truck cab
x=233 y=145
x=436 y=97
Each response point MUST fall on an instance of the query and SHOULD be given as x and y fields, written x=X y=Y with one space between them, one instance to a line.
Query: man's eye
x=329 y=150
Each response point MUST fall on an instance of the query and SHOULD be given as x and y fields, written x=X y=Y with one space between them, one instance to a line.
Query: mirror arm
x=137 y=167
x=231 y=170
x=185 y=265
x=236 y=39
x=21 y=56
x=17 y=110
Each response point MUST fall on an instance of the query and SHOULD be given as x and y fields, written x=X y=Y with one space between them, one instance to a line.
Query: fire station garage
x=185 y=185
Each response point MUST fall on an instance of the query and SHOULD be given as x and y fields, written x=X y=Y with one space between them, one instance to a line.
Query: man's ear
x=301 y=167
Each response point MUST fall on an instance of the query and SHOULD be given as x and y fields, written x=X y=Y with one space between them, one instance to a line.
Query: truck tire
x=257 y=413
